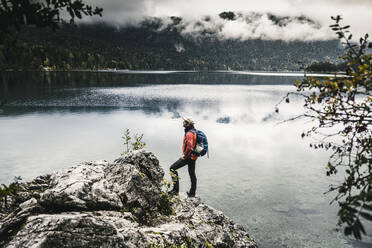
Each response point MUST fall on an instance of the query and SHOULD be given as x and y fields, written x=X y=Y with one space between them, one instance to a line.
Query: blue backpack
x=201 y=147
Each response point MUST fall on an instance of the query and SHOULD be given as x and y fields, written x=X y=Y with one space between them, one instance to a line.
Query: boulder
x=101 y=204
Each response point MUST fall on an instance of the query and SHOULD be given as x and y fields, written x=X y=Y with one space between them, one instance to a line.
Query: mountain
x=170 y=44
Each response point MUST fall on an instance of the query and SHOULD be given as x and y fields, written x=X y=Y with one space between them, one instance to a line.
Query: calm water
x=261 y=174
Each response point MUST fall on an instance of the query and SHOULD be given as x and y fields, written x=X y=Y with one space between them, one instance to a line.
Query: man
x=187 y=158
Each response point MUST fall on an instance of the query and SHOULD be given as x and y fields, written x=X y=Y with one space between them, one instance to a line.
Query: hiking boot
x=173 y=192
x=189 y=194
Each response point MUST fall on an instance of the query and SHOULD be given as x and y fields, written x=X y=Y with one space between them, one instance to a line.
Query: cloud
x=255 y=25
x=356 y=13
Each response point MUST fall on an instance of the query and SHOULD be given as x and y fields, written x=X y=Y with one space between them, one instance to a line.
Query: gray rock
x=38 y=186
x=101 y=204
x=12 y=222
x=70 y=229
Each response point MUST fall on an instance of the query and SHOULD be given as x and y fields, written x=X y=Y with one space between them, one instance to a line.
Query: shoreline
x=284 y=73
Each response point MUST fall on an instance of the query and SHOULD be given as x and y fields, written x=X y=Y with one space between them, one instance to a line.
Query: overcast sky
x=357 y=13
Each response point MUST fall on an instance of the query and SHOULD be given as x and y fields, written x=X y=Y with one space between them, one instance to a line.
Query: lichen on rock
x=101 y=204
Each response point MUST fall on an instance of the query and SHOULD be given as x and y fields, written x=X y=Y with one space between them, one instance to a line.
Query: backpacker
x=201 y=147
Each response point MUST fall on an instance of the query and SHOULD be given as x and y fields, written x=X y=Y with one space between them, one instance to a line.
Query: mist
x=244 y=26
x=355 y=13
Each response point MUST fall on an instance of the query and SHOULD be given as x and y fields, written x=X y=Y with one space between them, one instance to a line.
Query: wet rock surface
x=101 y=204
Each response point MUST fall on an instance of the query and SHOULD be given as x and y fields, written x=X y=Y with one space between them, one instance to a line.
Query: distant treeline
x=99 y=46
x=326 y=67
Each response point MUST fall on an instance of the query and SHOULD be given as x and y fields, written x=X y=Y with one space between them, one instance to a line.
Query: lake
x=260 y=172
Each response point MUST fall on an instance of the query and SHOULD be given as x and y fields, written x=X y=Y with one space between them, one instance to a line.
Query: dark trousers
x=191 y=166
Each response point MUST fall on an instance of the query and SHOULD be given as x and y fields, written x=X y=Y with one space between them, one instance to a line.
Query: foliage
x=127 y=139
x=166 y=202
x=7 y=191
x=228 y=15
x=209 y=245
x=341 y=107
x=15 y=14
x=326 y=67
x=18 y=13
x=137 y=143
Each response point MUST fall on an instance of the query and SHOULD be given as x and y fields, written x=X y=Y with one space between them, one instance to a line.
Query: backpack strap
x=195 y=133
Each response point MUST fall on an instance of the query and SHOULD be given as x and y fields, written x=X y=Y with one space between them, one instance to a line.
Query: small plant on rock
x=137 y=143
x=8 y=191
x=166 y=202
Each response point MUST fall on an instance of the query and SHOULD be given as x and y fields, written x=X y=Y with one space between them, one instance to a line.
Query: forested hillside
x=158 y=46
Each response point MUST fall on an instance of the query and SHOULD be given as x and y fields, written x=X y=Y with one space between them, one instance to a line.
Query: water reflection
x=38 y=83
x=261 y=174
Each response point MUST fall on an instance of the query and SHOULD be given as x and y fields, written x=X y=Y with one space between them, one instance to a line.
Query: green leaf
x=356 y=233
x=366 y=216
x=359 y=227
x=350 y=209
x=367 y=207
x=347 y=231
x=78 y=14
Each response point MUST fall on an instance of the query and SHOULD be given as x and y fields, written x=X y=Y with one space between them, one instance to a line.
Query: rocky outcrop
x=120 y=204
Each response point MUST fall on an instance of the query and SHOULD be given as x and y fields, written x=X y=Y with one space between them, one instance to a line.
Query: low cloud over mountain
x=246 y=26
